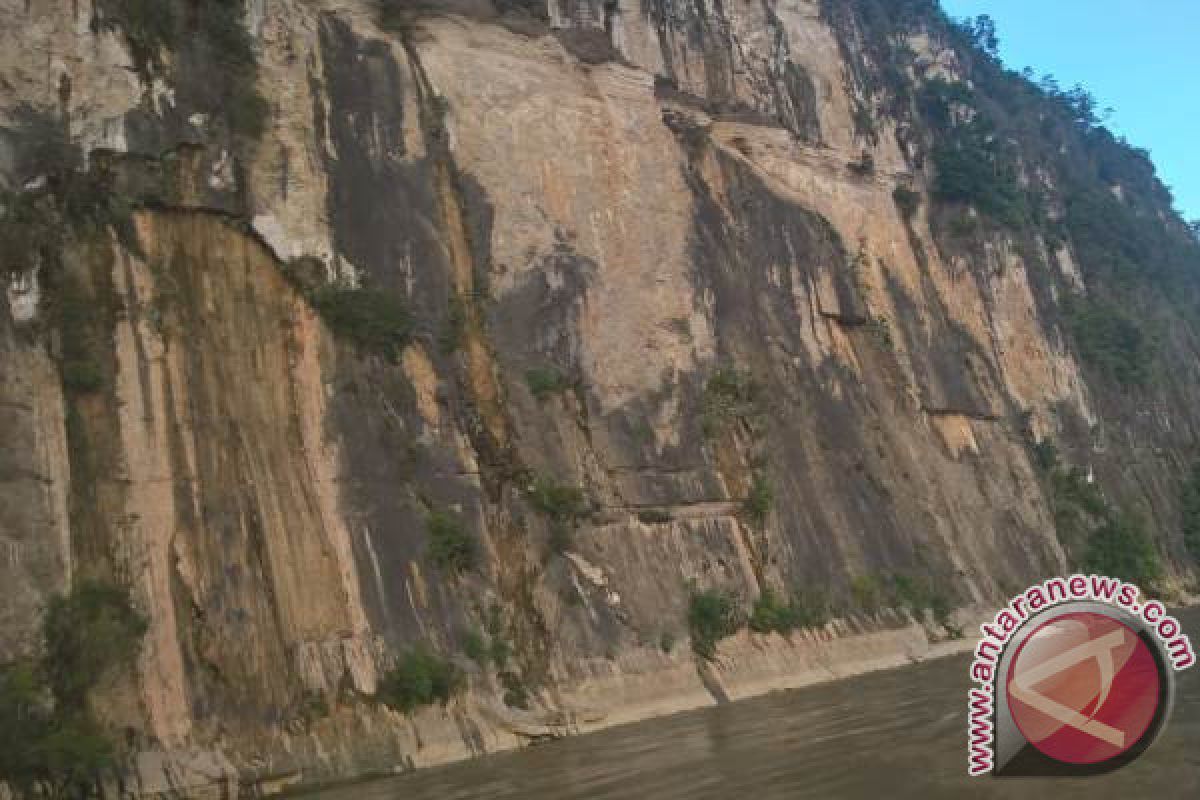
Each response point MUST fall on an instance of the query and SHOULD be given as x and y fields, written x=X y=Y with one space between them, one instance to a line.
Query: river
x=894 y=734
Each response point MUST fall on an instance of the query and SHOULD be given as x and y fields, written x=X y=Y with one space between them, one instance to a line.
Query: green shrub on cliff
x=811 y=607
x=558 y=501
x=78 y=319
x=972 y=164
x=1074 y=487
x=516 y=694
x=1097 y=535
x=44 y=750
x=866 y=592
x=1190 y=508
x=88 y=632
x=545 y=381
x=1075 y=500
x=1121 y=549
x=475 y=647
x=397 y=15
x=48 y=740
x=712 y=615
x=759 y=499
x=420 y=678
x=970 y=171
x=56 y=200
x=23 y=712
x=42 y=145
x=1045 y=454
x=729 y=395
x=563 y=505
x=772 y=614
x=806 y=608
x=223 y=42
x=373 y=320
x=451 y=547
x=907 y=201
x=205 y=53
x=919 y=594
x=150 y=28
x=1111 y=340
x=654 y=516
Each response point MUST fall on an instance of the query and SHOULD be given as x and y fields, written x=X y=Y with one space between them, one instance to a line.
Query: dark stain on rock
x=756 y=254
x=796 y=99
x=944 y=357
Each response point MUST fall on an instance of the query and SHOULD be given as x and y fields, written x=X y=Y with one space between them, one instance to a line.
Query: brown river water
x=893 y=734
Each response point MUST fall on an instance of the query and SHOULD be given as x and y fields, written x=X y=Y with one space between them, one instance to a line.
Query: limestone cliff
x=666 y=254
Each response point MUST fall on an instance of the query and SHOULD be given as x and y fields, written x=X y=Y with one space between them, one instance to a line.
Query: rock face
x=651 y=250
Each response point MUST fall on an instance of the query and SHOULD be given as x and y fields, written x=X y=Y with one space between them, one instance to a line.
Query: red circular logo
x=1083 y=688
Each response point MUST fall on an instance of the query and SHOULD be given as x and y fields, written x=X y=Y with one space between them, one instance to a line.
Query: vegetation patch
x=759 y=499
x=49 y=742
x=516 y=694
x=1044 y=454
x=454 y=327
x=864 y=166
x=1190 y=508
x=451 y=546
x=867 y=593
x=60 y=205
x=806 y=608
x=77 y=319
x=150 y=28
x=729 y=395
x=225 y=43
x=1013 y=150
x=564 y=506
x=919 y=594
x=203 y=49
x=58 y=200
x=88 y=632
x=375 y=321
x=771 y=613
x=1121 y=549
x=811 y=608
x=499 y=650
x=973 y=164
x=420 y=678
x=1097 y=536
x=907 y=201
x=654 y=516
x=546 y=381
x=1111 y=340
x=558 y=501
x=712 y=616
x=881 y=333
x=1078 y=507
x=475 y=647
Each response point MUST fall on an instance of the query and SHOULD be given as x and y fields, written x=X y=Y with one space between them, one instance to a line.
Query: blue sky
x=1141 y=57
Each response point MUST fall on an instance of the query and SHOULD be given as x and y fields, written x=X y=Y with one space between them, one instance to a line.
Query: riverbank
x=895 y=733
x=362 y=741
x=746 y=665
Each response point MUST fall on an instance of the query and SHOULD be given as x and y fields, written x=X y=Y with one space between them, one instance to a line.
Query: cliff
x=335 y=330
